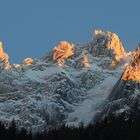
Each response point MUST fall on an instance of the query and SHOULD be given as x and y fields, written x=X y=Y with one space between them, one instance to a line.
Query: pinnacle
x=107 y=44
x=62 y=52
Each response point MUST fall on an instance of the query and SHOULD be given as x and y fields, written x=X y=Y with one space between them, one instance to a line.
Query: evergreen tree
x=12 y=131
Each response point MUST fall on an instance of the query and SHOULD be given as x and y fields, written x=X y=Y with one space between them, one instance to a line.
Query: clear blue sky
x=33 y=27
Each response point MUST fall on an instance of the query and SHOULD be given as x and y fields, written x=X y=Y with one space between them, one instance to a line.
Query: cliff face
x=124 y=99
x=4 y=58
x=130 y=79
x=132 y=72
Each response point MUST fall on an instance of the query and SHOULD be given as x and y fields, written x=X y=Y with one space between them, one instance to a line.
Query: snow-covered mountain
x=69 y=85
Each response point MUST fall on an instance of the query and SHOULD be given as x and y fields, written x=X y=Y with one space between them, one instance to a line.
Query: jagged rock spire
x=107 y=44
x=62 y=52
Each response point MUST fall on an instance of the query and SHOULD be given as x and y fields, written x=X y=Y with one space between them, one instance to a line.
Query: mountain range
x=73 y=84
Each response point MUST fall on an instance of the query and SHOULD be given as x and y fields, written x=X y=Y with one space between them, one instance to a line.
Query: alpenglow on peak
x=107 y=44
x=132 y=72
x=63 y=51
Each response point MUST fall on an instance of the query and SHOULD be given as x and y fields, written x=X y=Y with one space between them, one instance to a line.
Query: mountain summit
x=108 y=44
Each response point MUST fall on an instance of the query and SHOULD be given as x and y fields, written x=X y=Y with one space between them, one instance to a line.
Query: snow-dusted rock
x=107 y=44
x=124 y=99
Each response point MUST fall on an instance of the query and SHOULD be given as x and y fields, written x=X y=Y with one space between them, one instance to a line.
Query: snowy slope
x=85 y=111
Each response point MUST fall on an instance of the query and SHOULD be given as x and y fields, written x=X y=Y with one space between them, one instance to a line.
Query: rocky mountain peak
x=62 y=52
x=132 y=72
x=107 y=44
x=4 y=58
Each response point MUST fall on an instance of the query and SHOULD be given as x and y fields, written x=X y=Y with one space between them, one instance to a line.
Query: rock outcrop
x=62 y=52
x=132 y=72
x=107 y=44
x=27 y=61
x=4 y=58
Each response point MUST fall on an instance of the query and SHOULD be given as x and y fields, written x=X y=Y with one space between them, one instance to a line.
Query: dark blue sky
x=29 y=28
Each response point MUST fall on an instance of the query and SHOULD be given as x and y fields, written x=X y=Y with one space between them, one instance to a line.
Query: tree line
x=112 y=129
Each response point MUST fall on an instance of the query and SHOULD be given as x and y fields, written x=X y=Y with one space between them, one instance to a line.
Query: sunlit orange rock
x=1 y=49
x=132 y=72
x=27 y=61
x=6 y=61
x=85 y=62
x=107 y=44
x=62 y=51
x=4 y=57
x=16 y=66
